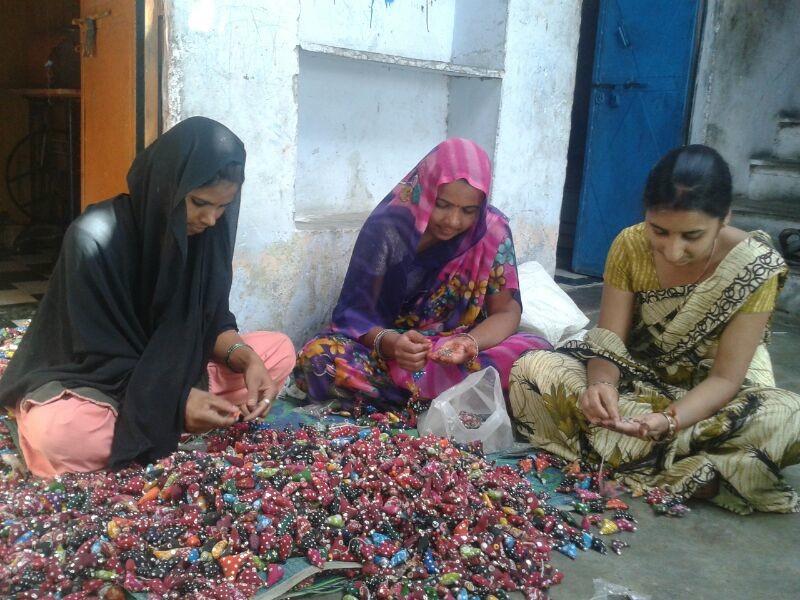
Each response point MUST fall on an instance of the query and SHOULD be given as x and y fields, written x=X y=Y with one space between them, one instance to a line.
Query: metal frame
x=149 y=44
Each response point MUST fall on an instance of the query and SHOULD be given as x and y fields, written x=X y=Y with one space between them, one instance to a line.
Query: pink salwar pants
x=70 y=433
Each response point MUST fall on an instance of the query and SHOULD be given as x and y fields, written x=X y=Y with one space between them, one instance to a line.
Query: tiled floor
x=23 y=282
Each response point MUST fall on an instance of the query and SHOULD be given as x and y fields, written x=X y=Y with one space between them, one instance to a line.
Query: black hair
x=693 y=177
x=232 y=172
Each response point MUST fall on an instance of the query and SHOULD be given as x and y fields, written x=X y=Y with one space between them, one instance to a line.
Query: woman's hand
x=411 y=350
x=261 y=390
x=205 y=411
x=651 y=426
x=599 y=402
x=456 y=350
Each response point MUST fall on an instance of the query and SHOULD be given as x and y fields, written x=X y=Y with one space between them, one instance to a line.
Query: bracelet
x=233 y=348
x=376 y=343
x=674 y=414
x=672 y=427
x=601 y=382
x=474 y=341
x=672 y=430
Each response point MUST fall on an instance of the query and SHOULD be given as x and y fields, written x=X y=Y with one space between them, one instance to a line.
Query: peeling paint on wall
x=288 y=279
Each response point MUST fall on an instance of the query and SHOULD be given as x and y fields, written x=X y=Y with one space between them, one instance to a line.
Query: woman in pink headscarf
x=431 y=293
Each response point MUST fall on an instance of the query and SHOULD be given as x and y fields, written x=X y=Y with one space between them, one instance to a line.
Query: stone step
x=773 y=179
x=787 y=139
x=772 y=216
x=781 y=207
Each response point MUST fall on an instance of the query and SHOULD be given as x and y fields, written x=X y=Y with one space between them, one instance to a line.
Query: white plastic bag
x=477 y=400
x=547 y=310
x=603 y=590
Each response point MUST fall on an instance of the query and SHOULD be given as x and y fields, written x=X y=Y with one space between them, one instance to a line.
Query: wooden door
x=644 y=61
x=119 y=108
x=108 y=107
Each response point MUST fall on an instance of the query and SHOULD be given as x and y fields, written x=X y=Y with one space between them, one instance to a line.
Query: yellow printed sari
x=671 y=349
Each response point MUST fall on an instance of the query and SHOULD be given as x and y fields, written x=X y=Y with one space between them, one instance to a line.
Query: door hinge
x=88 y=27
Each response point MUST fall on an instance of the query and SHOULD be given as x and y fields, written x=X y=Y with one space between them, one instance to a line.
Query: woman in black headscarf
x=137 y=305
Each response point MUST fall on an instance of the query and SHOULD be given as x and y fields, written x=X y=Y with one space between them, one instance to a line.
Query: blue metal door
x=644 y=59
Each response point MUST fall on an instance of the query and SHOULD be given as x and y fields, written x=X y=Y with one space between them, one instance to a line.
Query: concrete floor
x=710 y=553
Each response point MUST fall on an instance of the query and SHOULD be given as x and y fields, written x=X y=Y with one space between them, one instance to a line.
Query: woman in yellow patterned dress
x=674 y=387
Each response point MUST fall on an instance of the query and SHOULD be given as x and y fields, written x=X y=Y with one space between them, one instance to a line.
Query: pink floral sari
x=439 y=292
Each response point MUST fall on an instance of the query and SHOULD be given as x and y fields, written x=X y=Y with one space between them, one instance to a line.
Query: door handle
x=613 y=91
x=628 y=85
x=612 y=97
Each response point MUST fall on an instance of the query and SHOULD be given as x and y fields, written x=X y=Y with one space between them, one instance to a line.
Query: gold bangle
x=233 y=348
x=674 y=414
x=474 y=341
x=669 y=434
x=672 y=430
x=376 y=343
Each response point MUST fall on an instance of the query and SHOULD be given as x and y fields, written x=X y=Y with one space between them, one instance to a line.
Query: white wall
x=238 y=61
x=749 y=71
x=362 y=127
x=412 y=28
x=479 y=32
x=533 y=132
x=473 y=110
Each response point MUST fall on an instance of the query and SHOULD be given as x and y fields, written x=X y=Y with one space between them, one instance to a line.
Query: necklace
x=699 y=277
x=708 y=261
